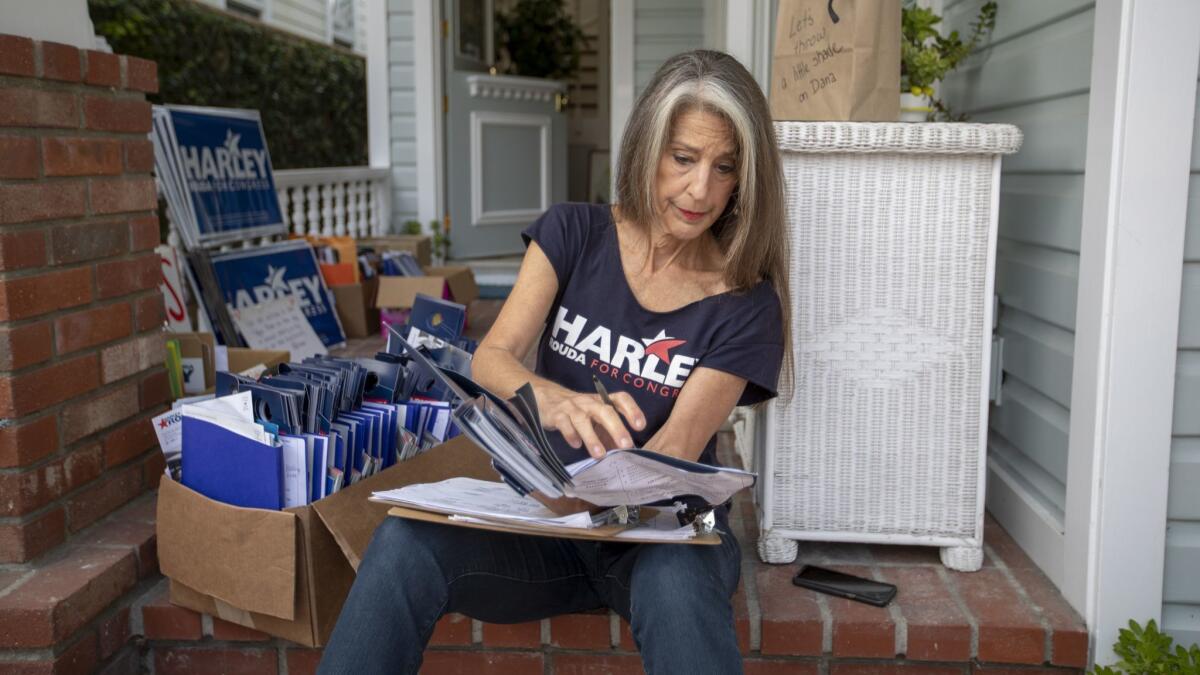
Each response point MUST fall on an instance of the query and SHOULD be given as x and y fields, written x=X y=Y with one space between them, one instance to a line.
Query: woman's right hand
x=585 y=420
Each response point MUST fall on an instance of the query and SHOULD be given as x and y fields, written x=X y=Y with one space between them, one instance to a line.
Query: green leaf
x=312 y=97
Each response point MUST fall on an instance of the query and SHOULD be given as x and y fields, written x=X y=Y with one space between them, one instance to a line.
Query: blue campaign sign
x=227 y=172
x=250 y=276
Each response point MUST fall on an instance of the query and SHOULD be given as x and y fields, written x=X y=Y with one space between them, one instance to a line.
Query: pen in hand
x=604 y=398
x=603 y=392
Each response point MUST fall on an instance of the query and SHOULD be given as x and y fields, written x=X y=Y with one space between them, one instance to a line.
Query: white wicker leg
x=963 y=558
x=777 y=550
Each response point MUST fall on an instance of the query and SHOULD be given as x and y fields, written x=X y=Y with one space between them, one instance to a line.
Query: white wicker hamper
x=892 y=230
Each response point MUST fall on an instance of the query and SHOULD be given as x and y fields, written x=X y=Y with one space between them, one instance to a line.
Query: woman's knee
x=680 y=578
x=398 y=544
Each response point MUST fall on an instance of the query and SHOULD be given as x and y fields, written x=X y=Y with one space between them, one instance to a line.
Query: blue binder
x=231 y=468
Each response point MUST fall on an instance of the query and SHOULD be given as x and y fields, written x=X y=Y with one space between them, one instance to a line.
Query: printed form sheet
x=629 y=478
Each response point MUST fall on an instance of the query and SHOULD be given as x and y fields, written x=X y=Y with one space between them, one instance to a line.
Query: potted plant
x=536 y=38
x=926 y=56
x=440 y=243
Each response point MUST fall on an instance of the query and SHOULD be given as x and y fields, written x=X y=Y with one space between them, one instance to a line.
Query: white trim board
x=428 y=91
x=621 y=92
x=379 y=135
x=1131 y=257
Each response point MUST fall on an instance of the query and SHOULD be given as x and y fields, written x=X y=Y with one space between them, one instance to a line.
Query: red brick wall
x=80 y=309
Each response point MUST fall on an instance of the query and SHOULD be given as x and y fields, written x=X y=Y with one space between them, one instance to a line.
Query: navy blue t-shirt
x=597 y=325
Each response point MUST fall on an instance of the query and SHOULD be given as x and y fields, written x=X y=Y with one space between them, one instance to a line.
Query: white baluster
x=351 y=209
x=364 y=208
x=282 y=193
x=298 y=217
x=376 y=205
x=314 y=210
x=327 y=210
x=359 y=209
x=339 y=209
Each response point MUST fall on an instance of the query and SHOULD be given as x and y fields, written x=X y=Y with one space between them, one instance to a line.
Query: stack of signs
x=213 y=168
x=257 y=276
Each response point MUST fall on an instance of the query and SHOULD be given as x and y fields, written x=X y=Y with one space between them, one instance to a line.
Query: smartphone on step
x=845 y=585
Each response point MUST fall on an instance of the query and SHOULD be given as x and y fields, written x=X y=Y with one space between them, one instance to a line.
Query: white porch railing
x=352 y=201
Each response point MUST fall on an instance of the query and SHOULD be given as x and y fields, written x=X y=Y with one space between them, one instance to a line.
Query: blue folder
x=231 y=468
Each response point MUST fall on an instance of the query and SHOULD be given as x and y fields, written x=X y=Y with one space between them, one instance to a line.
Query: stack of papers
x=490 y=505
x=511 y=432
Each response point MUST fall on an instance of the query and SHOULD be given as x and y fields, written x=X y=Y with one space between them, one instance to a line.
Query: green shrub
x=1146 y=651
x=312 y=96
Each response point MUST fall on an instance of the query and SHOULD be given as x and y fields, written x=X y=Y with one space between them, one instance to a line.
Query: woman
x=675 y=299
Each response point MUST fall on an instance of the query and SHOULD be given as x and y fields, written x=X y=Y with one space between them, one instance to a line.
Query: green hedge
x=313 y=97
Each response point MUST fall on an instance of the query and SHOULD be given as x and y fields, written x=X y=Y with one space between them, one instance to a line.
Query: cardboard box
x=355 y=304
x=287 y=572
x=241 y=359
x=452 y=283
x=417 y=244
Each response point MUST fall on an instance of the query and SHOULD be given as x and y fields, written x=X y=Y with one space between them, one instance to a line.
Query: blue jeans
x=676 y=597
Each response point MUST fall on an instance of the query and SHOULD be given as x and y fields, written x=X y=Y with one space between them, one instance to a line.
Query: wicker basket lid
x=936 y=138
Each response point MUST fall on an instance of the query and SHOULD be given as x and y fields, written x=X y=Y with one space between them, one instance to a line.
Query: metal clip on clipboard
x=702 y=517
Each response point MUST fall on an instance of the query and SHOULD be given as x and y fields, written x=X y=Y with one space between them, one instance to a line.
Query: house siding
x=302 y=17
x=662 y=29
x=402 y=111
x=1035 y=73
x=1181 y=580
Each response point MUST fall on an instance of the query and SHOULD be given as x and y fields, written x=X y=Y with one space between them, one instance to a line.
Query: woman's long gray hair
x=751 y=230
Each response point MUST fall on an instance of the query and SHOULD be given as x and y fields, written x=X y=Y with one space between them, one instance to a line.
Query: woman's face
x=697 y=173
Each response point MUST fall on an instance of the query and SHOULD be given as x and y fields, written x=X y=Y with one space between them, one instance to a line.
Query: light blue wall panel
x=1184 y=502
x=1042 y=210
x=1036 y=424
x=1035 y=73
x=1046 y=63
x=661 y=29
x=1038 y=281
x=1055 y=134
x=1182 y=582
x=1038 y=354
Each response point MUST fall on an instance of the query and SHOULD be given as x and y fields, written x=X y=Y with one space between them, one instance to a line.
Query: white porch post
x=749 y=32
x=621 y=95
x=427 y=85
x=1143 y=87
x=379 y=134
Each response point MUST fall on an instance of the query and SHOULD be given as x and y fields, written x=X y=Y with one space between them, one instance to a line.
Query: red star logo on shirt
x=162 y=424
x=660 y=346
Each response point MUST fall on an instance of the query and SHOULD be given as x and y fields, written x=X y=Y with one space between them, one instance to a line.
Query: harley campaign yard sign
x=252 y=276
x=215 y=170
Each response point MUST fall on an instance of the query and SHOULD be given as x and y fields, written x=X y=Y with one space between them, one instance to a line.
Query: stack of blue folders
x=293 y=438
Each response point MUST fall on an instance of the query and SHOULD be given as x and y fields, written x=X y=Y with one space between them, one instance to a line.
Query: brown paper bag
x=836 y=60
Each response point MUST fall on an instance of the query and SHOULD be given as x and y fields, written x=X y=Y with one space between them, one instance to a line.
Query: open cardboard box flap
x=461 y=281
x=352 y=519
x=246 y=557
x=400 y=292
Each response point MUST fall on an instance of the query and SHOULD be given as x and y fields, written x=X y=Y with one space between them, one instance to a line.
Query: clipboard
x=602 y=533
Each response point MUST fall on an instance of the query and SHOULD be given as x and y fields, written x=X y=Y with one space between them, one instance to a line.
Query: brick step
x=69 y=611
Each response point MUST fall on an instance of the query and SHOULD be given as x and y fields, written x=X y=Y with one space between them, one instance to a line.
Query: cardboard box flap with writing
x=246 y=557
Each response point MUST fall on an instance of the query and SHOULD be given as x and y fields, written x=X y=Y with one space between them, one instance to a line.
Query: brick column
x=80 y=336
